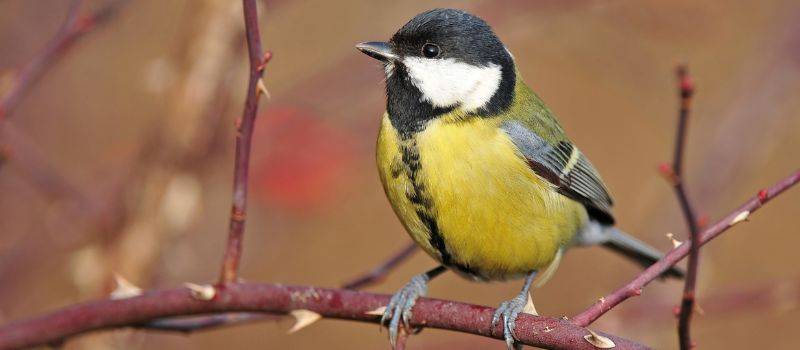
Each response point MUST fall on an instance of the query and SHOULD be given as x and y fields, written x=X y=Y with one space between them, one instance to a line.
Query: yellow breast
x=462 y=186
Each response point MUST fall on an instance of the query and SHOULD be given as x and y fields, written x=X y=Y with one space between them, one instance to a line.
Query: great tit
x=478 y=169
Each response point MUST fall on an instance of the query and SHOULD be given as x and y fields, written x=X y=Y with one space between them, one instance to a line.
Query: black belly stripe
x=436 y=239
x=419 y=197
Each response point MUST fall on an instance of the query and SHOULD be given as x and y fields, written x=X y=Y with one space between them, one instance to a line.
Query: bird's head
x=444 y=59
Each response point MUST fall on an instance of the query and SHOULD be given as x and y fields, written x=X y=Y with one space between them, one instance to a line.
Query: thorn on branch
x=743 y=216
x=203 y=292
x=303 y=318
x=675 y=241
x=598 y=341
x=377 y=312
x=125 y=289
x=262 y=89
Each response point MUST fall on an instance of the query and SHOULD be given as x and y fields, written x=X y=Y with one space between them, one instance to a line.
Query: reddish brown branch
x=36 y=167
x=73 y=29
x=379 y=273
x=770 y=297
x=331 y=303
x=685 y=90
x=244 y=134
x=634 y=287
x=206 y=322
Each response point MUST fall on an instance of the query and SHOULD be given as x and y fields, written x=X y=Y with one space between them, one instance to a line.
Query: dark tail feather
x=637 y=251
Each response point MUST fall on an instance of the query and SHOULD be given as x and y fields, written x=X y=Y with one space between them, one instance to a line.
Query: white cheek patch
x=447 y=82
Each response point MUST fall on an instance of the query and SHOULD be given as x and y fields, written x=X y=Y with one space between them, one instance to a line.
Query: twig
x=74 y=28
x=775 y=296
x=4 y=152
x=686 y=90
x=244 y=133
x=379 y=273
x=539 y=331
x=634 y=288
x=206 y=322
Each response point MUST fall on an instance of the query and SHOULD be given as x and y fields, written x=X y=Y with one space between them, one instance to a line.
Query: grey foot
x=509 y=310
x=401 y=303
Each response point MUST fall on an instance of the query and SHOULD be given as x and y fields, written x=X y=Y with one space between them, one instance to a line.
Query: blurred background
x=119 y=160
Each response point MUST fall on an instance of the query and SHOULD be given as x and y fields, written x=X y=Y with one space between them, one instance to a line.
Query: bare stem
x=244 y=134
x=379 y=273
x=206 y=322
x=36 y=167
x=686 y=90
x=74 y=28
x=634 y=287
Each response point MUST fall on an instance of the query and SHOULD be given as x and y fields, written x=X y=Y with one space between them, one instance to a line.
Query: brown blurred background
x=134 y=126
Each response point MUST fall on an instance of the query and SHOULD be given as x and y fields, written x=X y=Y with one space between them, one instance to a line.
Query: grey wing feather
x=564 y=166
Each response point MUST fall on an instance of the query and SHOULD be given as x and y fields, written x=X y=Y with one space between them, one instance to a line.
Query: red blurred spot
x=702 y=222
x=763 y=196
x=301 y=158
x=665 y=169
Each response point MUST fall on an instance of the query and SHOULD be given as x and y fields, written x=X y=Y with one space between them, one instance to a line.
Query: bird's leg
x=509 y=310
x=401 y=303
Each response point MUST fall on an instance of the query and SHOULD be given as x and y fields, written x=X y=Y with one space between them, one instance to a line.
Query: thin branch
x=378 y=274
x=244 y=134
x=4 y=153
x=686 y=90
x=206 y=322
x=634 y=288
x=73 y=29
x=775 y=296
x=539 y=331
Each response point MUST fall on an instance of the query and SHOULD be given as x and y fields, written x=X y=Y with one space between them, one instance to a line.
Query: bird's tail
x=626 y=245
x=637 y=251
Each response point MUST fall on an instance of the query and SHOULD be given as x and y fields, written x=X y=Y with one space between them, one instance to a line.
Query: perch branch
x=634 y=288
x=55 y=327
x=244 y=135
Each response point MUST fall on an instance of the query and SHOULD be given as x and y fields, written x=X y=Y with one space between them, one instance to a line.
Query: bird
x=479 y=171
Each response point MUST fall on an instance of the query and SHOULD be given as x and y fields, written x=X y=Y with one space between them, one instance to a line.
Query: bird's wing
x=565 y=167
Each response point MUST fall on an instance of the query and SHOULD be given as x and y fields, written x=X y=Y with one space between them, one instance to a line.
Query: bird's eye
x=430 y=50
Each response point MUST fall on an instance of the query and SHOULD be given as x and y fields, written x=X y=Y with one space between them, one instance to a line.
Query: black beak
x=377 y=50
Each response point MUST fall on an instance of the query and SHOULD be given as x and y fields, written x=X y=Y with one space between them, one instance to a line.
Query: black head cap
x=458 y=35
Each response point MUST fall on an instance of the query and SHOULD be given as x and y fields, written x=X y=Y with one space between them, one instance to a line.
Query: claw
x=509 y=310
x=400 y=305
